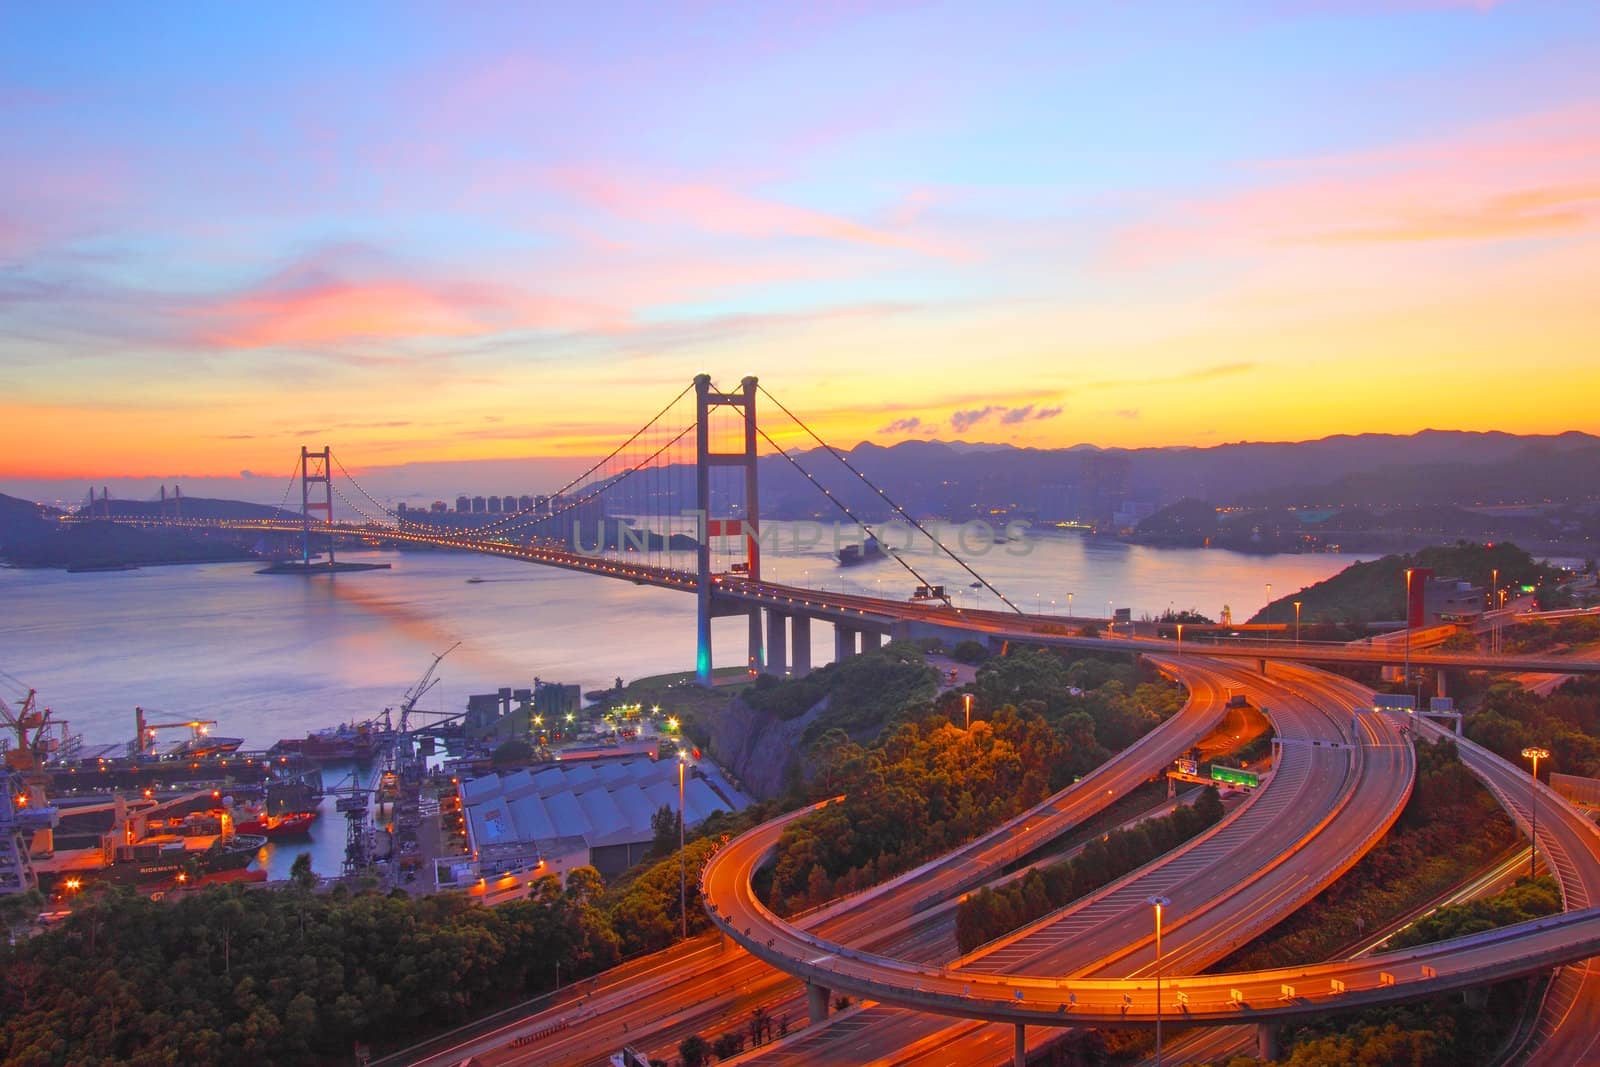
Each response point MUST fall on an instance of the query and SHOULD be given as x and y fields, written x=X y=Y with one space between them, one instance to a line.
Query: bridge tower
x=315 y=467
x=707 y=400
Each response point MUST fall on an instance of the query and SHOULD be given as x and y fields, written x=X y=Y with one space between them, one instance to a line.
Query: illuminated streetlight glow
x=1536 y=754
x=683 y=891
x=1158 y=903
x=1297 y=622
x=966 y=699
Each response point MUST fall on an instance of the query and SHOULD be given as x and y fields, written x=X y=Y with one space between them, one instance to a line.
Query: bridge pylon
x=707 y=400
x=315 y=467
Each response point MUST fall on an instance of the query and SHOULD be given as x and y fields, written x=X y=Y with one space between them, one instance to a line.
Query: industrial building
x=607 y=803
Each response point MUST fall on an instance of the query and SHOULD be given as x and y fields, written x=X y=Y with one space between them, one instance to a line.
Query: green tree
x=300 y=872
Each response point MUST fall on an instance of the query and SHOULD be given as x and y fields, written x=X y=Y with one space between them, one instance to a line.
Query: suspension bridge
x=676 y=505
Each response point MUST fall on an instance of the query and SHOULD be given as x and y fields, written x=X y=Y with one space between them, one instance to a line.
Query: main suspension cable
x=887 y=499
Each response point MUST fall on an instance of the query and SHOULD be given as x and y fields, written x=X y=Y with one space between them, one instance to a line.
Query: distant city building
x=439 y=507
x=400 y=508
x=479 y=505
x=494 y=505
x=509 y=504
x=524 y=502
x=1450 y=600
x=463 y=504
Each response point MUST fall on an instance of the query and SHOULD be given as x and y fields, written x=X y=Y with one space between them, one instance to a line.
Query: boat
x=147 y=843
x=289 y=824
x=866 y=552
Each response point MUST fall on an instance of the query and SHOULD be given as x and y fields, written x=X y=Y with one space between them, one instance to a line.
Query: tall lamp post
x=1297 y=622
x=1494 y=602
x=1408 y=628
x=683 y=882
x=1069 y=605
x=1536 y=754
x=966 y=699
x=1158 y=903
x=1180 y=637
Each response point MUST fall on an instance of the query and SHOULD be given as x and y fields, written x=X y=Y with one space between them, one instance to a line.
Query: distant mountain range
x=1084 y=482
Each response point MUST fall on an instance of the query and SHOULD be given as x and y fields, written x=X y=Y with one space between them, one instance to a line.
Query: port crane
x=408 y=703
x=352 y=804
x=145 y=738
x=27 y=821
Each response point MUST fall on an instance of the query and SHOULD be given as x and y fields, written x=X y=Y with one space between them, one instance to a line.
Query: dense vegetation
x=1364 y=592
x=926 y=784
x=989 y=913
x=1449 y=828
x=1566 y=722
x=232 y=975
x=1442 y=1032
x=860 y=692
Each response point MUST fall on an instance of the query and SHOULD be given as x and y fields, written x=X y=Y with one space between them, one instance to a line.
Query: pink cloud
x=717 y=209
x=1535 y=176
x=324 y=311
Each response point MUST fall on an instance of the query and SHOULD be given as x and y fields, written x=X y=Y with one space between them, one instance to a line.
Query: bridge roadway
x=1321 y=809
x=680 y=995
x=888 y=616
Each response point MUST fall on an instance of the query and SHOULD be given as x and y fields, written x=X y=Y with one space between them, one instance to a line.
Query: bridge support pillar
x=1019 y=1049
x=817 y=1002
x=871 y=640
x=1261 y=665
x=1266 y=1041
x=777 y=643
x=800 y=645
x=844 y=643
x=1440 y=683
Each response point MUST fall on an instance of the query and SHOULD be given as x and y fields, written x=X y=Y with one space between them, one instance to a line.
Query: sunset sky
x=428 y=233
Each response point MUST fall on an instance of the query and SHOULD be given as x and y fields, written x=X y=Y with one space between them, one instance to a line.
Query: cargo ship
x=146 y=842
x=358 y=742
x=868 y=551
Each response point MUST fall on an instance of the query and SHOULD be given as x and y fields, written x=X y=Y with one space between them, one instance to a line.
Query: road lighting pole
x=1536 y=754
x=1069 y=605
x=1297 y=622
x=683 y=881
x=966 y=698
x=1158 y=903
x=1494 y=602
x=1180 y=637
x=1408 y=629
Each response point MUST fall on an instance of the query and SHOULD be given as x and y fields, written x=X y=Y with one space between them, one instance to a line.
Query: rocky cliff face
x=763 y=751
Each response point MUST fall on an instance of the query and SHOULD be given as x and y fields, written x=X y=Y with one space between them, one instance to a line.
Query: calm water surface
x=275 y=656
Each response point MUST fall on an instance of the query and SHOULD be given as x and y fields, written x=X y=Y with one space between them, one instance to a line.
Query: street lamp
x=1069 y=605
x=1297 y=622
x=1158 y=903
x=1536 y=754
x=966 y=698
x=1180 y=637
x=683 y=882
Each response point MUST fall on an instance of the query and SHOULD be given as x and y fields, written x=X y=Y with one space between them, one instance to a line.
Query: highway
x=1570 y=1035
x=1320 y=810
x=717 y=988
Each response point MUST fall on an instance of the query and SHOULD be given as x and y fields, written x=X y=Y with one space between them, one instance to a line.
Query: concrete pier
x=844 y=643
x=817 y=1002
x=777 y=643
x=800 y=645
